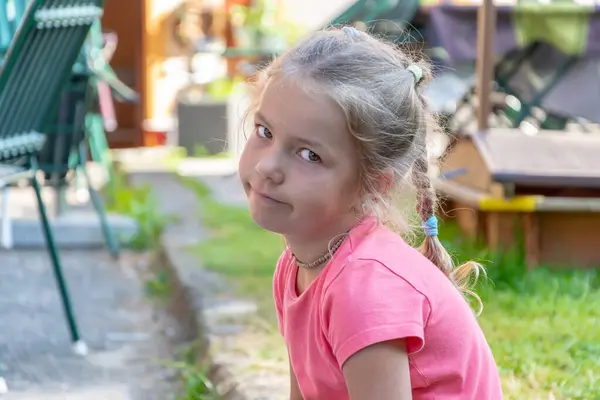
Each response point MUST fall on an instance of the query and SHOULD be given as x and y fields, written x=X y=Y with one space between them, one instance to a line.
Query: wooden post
x=124 y=19
x=486 y=28
x=153 y=49
x=160 y=86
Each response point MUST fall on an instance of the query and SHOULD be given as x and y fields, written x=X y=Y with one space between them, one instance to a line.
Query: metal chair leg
x=109 y=237
x=78 y=345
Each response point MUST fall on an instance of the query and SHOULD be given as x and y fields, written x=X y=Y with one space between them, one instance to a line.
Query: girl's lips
x=266 y=198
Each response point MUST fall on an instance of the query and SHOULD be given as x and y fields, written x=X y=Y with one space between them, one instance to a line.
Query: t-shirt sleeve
x=367 y=303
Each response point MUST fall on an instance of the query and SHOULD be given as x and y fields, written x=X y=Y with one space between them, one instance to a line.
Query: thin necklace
x=325 y=257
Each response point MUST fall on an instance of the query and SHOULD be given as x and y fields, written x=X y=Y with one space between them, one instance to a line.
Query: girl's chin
x=269 y=221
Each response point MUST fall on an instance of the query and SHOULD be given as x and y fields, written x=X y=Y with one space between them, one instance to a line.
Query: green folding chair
x=35 y=70
x=391 y=19
x=396 y=23
x=72 y=134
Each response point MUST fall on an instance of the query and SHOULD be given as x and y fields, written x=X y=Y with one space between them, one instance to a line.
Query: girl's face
x=299 y=168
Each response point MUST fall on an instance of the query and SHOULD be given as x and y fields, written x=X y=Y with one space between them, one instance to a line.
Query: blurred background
x=163 y=279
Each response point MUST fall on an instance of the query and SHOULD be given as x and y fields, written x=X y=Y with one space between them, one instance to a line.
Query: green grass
x=543 y=326
x=139 y=203
x=196 y=383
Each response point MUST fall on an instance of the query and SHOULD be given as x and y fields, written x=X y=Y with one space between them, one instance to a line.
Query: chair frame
x=55 y=33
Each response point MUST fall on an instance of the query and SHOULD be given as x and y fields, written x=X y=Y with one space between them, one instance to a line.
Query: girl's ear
x=385 y=181
x=381 y=186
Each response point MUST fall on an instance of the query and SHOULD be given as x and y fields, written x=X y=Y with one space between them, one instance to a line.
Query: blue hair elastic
x=351 y=31
x=430 y=227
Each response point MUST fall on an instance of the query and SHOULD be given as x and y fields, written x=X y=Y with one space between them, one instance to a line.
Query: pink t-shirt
x=378 y=288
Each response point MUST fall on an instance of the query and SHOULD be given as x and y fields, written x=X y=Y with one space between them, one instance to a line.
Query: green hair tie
x=416 y=71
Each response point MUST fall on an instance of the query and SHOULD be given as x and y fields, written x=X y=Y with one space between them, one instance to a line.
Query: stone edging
x=185 y=306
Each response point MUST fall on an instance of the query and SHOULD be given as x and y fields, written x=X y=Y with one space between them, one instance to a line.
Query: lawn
x=543 y=326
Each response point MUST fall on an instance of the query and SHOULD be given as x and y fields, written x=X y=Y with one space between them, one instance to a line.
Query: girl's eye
x=310 y=156
x=263 y=132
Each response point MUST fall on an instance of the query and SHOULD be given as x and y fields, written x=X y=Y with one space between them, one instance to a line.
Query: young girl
x=340 y=122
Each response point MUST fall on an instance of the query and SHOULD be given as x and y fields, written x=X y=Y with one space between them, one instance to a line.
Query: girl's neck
x=308 y=249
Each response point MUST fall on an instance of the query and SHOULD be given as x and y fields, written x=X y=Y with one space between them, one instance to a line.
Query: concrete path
x=125 y=334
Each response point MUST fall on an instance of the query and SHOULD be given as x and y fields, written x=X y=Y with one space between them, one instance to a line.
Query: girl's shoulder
x=381 y=252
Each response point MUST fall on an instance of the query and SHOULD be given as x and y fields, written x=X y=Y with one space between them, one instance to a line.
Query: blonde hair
x=376 y=86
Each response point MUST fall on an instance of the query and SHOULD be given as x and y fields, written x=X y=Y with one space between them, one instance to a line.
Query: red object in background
x=155 y=132
x=154 y=138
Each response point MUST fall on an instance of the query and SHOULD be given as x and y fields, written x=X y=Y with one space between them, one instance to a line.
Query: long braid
x=463 y=276
x=426 y=207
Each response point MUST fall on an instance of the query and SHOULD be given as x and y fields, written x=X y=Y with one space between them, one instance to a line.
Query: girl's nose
x=269 y=166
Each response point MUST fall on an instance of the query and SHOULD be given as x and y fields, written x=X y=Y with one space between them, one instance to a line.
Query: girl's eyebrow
x=310 y=143
x=261 y=117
